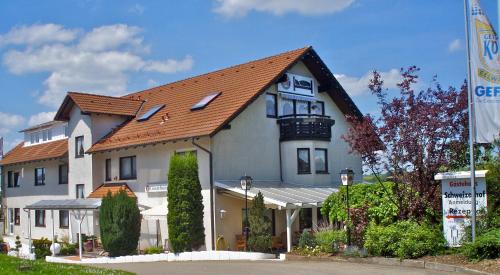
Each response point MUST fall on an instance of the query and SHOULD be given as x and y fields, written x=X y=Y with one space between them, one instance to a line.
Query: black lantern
x=347 y=176
x=246 y=184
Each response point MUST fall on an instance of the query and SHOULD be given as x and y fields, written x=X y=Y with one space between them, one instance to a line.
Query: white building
x=279 y=120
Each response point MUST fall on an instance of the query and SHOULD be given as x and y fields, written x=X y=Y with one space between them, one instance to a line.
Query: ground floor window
x=63 y=218
x=17 y=216
x=40 y=218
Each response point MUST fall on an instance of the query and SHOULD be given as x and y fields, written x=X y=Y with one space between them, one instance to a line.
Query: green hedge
x=120 y=224
x=327 y=239
x=42 y=248
x=487 y=246
x=404 y=239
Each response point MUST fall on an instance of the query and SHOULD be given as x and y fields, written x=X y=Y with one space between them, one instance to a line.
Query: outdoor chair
x=240 y=242
x=277 y=244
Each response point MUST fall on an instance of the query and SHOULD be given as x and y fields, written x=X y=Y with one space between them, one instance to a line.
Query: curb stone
x=391 y=262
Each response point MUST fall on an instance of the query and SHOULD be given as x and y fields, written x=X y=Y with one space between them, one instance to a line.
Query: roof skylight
x=151 y=112
x=205 y=101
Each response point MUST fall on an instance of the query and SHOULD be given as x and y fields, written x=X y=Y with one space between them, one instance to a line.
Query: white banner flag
x=485 y=74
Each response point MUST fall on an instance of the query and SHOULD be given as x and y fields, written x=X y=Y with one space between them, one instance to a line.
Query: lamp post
x=246 y=184
x=347 y=175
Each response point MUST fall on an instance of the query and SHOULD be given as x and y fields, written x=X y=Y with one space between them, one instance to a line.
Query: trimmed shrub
x=185 y=204
x=68 y=249
x=153 y=250
x=328 y=239
x=260 y=226
x=42 y=248
x=120 y=224
x=307 y=239
x=487 y=246
x=405 y=239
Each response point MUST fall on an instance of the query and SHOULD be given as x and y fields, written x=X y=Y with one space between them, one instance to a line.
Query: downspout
x=212 y=226
x=281 y=162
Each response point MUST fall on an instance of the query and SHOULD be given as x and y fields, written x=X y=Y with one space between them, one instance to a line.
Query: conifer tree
x=260 y=226
x=185 y=204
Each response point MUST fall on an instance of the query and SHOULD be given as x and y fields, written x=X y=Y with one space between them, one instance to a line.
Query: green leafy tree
x=185 y=204
x=120 y=224
x=260 y=226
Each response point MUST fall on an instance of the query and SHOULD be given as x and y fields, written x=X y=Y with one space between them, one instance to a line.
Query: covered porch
x=78 y=211
x=286 y=202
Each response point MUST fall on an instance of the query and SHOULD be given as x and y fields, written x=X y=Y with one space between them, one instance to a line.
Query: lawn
x=12 y=265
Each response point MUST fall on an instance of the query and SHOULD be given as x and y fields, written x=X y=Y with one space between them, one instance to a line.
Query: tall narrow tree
x=185 y=204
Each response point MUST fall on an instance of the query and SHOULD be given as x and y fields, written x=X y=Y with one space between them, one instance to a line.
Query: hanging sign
x=485 y=74
x=457 y=197
x=296 y=84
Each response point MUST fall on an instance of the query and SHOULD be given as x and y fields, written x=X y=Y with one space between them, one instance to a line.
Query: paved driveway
x=265 y=267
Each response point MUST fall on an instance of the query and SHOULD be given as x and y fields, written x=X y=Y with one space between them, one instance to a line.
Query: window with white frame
x=40 y=218
x=39 y=176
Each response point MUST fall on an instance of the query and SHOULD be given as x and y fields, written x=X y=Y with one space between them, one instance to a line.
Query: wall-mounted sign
x=456 y=194
x=296 y=84
x=156 y=187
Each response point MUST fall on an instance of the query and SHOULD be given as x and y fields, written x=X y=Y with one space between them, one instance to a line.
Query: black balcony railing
x=305 y=127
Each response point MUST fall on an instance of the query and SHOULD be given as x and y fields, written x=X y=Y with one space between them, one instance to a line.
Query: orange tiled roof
x=238 y=85
x=114 y=188
x=49 y=150
x=91 y=103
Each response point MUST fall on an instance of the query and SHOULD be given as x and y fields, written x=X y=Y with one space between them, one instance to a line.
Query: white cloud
x=41 y=118
x=137 y=9
x=99 y=62
x=455 y=45
x=9 y=122
x=234 y=8
x=37 y=34
x=356 y=86
x=152 y=83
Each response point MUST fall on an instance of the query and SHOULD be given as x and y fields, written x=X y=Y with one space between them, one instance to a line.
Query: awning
x=158 y=212
x=114 y=188
x=283 y=195
x=73 y=204
x=298 y=97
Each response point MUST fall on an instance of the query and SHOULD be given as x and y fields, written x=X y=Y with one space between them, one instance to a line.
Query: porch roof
x=283 y=195
x=70 y=204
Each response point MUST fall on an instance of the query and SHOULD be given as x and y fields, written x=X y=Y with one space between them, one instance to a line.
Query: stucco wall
x=251 y=146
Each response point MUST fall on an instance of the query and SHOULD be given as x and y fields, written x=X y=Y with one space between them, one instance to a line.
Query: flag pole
x=471 y=125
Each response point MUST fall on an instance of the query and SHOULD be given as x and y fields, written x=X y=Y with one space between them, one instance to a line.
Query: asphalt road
x=265 y=267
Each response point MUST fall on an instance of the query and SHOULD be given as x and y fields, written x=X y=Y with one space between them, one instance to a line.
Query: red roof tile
x=114 y=188
x=49 y=150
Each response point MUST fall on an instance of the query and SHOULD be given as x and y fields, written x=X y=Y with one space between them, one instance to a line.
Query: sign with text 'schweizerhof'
x=457 y=196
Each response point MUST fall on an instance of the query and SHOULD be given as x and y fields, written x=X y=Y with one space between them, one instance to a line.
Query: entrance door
x=11 y=221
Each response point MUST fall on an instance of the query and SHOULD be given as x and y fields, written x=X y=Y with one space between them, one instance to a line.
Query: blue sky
x=116 y=47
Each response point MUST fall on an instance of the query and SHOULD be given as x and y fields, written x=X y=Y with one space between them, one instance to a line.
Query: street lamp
x=246 y=184
x=347 y=175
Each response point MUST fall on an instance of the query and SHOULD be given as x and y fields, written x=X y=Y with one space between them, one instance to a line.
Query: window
x=63 y=219
x=17 y=216
x=271 y=106
x=303 y=161
x=205 y=101
x=318 y=108
x=321 y=161
x=32 y=138
x=39 y=176
x=287 y=106
x=108 y=169
x=9 y=179
x=49 y=134
x=45 y=135
x=302 y=107
x=183 y=153
x=128 y=168
x=40 y=218
x=151 y=112
x=63 y=174
x=79 y=151
x=80 y=194
x=16 y=179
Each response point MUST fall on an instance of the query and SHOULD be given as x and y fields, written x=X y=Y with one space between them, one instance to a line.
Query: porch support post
x=79 y=219
x=53 y=234
x=290 y=218
x=29 y=232
x=314 y=211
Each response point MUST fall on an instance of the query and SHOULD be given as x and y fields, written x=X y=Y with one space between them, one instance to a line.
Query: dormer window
x=205 y=101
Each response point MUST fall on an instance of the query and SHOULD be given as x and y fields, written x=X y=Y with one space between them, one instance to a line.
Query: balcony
x=305 y=127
